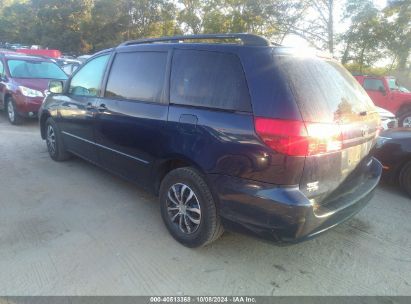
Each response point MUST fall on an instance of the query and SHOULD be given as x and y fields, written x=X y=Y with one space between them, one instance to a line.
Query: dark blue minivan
x=230 y=131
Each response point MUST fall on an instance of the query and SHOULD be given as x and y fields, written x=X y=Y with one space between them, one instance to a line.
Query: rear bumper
x=285 y=214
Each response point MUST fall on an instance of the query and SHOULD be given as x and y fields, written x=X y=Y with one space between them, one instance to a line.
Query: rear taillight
x=297 y=138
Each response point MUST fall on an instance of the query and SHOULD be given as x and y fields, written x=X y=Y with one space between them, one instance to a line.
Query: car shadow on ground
x=238 y=244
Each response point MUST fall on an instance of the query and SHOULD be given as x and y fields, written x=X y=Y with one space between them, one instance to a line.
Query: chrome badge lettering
x=311 y=187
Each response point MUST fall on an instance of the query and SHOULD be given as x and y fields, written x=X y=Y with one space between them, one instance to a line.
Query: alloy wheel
x=10 y=111
x=406 y=123
x=51 y=140
x=183 y=208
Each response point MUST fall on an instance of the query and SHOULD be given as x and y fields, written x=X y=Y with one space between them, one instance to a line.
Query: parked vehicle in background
x=23 y=82
x=15 y=46
x=44 y=53
x=65 y=56
x=404 y=89
x=7 y=51
x=83 y=58
x=386 y=93
x=70 y=66
x=67 y=65
x=393 y=150
x=247 y=135
x=388 y=119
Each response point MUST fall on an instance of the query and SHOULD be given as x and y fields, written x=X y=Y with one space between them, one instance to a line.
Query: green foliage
x=397 y=23
x=59 y=22
x=375 y=34
x=364 y=39
x=317 y=26
x=83 y=26
x=16 y=22
x=357 y=68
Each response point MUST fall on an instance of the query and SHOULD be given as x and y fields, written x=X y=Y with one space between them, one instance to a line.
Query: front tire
x=54 y=140
x=188 y=208
x=11 y=111
x=405 y=178
x=405 y=120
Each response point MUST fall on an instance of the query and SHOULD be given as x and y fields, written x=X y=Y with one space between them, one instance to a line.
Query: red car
x=23 y=83
x=386 y=93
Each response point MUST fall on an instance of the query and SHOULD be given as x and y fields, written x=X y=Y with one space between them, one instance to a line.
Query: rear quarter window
x=209 y=79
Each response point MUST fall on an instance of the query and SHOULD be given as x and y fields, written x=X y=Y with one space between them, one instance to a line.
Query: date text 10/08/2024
x=206 y=299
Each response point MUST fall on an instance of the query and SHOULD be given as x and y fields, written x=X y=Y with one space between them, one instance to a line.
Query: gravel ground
x=72 y=229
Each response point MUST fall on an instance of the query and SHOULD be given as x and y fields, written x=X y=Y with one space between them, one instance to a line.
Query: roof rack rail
x=247 y=39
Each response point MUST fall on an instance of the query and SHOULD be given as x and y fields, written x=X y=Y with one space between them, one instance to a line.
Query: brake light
x=297 y=138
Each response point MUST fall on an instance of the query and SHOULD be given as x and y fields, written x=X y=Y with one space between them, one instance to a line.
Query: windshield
x=323 y=89
x=404 y=89
x=35 y=69
x=395 y=85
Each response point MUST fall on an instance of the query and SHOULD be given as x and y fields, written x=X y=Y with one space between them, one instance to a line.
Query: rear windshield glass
x=323 y=89
x=35 y=69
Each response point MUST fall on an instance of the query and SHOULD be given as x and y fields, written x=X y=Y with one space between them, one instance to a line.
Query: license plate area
x=352 y=156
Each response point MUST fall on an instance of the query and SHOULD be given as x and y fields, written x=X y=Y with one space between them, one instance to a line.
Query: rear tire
x=11 y=112
x=54 y=140
x=405 y=178
x=405 y=120
x=188 y=208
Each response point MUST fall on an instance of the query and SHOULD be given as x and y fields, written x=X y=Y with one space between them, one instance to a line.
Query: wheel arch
x=7 y=96
x=43 y=118
x=162 y=168
x=405 y=107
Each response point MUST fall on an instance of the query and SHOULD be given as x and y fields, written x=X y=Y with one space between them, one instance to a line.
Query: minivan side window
x=373 y=84
x=137 y=76
x=209 y=79
x=87 y=81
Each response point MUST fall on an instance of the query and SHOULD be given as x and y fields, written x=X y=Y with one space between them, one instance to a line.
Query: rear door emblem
x=311 y=187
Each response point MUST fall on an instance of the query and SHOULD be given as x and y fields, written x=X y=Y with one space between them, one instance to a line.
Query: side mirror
x=382 y=90
x=56 y=86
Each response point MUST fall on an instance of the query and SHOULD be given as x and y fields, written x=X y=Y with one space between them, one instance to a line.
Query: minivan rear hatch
x=334 y=108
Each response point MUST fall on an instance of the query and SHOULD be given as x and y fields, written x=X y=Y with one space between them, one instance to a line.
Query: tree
x=108 y=25
x=397 y=23
x=363 y=41
x=272 y=19
x=191 y=16
x=316 y=24
x=16 y=23
x=91 y=25
x=60 y=23
x=285 y=17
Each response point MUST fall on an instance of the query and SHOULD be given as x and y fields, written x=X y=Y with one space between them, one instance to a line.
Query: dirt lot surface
x=72 y=229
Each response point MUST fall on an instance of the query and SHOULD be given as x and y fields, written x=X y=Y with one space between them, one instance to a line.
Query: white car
x=388 y=120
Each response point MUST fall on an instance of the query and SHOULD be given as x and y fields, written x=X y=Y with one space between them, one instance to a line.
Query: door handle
x=102 y=108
